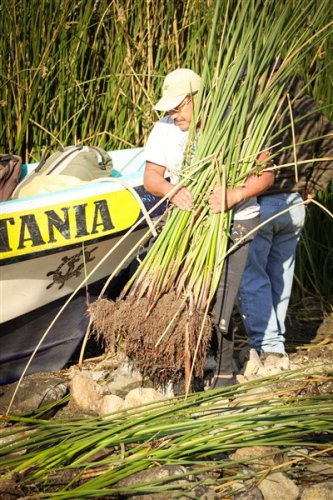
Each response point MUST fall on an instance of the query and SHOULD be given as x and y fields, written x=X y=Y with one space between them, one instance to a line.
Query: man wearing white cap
x=167 y=141
x=164 y=154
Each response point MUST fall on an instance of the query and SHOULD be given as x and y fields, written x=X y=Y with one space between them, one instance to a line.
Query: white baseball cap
x=177 y=85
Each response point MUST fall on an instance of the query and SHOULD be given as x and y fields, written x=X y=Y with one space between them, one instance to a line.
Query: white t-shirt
x=165 y=147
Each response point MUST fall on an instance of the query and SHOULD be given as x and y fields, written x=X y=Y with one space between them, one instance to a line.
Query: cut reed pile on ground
x=90 y=458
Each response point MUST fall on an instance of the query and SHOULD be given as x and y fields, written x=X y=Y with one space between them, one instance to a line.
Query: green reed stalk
x=236 y=118
x=181 y=432
x=90 y=71
x=85 y=71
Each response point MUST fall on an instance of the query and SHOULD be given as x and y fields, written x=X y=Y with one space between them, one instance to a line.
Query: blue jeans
x=267 y=280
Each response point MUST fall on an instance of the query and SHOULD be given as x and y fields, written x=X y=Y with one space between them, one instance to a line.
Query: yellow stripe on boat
x=73 y=221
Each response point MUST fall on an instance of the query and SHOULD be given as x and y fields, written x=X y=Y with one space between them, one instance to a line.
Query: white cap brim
x=168 y=103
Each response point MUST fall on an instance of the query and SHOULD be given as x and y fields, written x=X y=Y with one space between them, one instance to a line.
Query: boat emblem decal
x=75 y=265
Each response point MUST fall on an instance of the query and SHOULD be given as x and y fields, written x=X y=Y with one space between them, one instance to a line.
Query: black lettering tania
x=58 y=223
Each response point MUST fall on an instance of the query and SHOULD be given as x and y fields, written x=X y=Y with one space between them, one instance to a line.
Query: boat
x=66 y=244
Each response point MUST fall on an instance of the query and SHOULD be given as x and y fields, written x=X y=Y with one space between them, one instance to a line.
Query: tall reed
x=85 y=71
x=236 y=116
x=74 y=72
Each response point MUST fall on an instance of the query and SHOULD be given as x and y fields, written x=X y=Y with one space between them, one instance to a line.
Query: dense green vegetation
x=87 y=72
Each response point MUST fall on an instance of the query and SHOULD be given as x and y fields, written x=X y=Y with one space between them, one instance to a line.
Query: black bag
x=10 y=171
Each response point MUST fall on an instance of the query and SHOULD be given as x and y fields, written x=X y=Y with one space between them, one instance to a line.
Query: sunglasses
x=182 y=105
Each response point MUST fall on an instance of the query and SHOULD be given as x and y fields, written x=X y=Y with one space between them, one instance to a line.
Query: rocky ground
x=109 y=383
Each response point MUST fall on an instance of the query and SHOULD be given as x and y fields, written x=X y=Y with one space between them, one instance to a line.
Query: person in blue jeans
x=267 y=279
x=164 y=152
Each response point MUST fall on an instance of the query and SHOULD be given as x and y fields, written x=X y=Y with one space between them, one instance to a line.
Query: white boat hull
x=53 y=245
x=33 y=283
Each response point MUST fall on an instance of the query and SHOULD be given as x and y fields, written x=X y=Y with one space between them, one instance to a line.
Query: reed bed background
x=88 y=72
x=314 y=264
